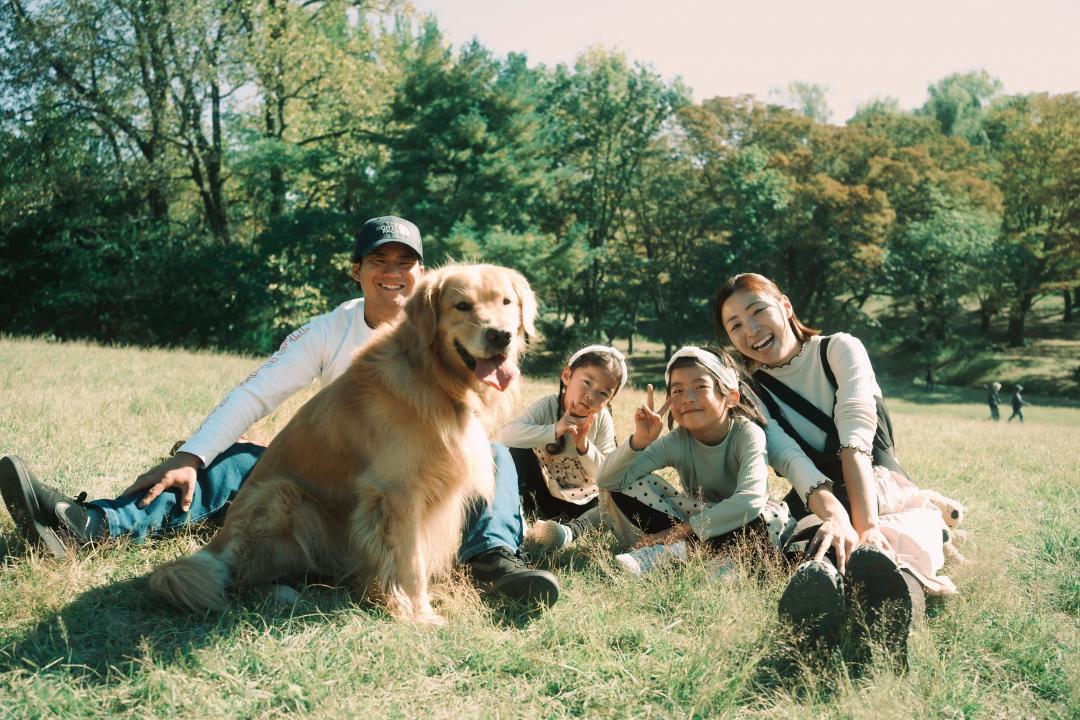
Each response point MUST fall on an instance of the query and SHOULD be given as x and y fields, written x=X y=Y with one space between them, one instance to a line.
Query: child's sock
x=550 y=535
x=646 y=559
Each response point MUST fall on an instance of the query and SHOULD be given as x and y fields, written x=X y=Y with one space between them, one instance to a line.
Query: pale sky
x=858 y=49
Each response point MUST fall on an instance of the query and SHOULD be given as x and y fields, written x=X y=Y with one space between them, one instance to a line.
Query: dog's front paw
x=432 y=619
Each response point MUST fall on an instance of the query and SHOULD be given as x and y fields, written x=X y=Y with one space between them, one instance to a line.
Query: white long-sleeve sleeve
x=535 y=428
x=788 y=459
x=320 y=350
x=729 y=481
x=855 y=413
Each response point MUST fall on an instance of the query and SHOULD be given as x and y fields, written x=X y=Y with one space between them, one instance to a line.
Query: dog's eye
x=506 y=301
x=463 y=306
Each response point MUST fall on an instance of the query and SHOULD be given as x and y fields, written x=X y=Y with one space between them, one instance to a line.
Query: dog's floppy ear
x=526 y=302
x=422 y=308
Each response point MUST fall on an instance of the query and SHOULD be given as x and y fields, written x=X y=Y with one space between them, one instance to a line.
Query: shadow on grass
x=113 y=630
x=116 y=629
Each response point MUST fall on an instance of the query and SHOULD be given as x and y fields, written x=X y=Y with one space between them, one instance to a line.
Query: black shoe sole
x=880 y=592
x=532 y=587
x=813 y=603
x=18 y=493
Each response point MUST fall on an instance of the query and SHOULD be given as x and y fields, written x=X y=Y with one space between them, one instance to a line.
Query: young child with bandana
x=718 y=451
x=559 y=443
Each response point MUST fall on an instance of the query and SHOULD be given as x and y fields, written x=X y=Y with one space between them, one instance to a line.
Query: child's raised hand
x=568 y=425
x=581 y=434
x=648 y=422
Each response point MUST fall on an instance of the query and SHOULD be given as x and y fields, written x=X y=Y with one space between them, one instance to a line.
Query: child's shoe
x=549 y=535
x=647 y=559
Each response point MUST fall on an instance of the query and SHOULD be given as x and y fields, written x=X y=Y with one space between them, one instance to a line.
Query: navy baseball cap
x=387 y=229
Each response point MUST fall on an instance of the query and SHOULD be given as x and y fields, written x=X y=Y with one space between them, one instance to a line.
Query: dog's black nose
x=497 y=338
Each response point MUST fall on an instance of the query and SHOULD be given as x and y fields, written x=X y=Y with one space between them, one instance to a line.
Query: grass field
x=84 y=638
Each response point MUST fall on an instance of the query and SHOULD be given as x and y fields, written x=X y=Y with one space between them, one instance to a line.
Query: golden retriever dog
x=370 y=480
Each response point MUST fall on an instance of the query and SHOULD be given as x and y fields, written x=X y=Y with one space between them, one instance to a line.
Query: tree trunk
x=275 y=109
x=986 y=313
x=1016 y=329
x=159 y=205
x=1067 y=316
x=1017 y=317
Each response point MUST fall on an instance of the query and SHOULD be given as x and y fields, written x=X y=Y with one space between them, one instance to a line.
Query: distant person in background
x=929 y=378
x=993 y=400
x=1018 y=404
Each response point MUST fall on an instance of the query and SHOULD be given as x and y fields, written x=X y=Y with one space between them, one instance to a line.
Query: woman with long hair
x=872 y=539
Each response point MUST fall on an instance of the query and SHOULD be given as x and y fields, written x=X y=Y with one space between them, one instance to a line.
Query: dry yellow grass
x=83 y=638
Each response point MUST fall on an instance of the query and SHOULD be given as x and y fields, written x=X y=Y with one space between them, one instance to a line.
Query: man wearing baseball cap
x=206 y=471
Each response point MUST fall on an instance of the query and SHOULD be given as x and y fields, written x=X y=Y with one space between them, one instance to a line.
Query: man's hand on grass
x=178 y=472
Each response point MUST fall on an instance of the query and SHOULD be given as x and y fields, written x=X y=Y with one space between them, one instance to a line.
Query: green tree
x=463 y=139
x=1036 y=141
x=602 y=119
x=959 y=103
x=793 y=197
x=808 y=99
x=669 y=267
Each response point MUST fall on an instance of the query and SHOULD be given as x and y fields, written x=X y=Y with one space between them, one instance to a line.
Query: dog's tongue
x=497 y=371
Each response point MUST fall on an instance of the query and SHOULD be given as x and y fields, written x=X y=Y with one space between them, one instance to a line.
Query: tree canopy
x=192 y=174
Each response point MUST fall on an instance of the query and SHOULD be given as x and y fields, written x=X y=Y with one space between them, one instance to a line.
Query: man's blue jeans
x=487 y=526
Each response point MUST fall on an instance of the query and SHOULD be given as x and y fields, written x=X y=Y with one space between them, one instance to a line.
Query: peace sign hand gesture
x=580 y=434
x=648 y=422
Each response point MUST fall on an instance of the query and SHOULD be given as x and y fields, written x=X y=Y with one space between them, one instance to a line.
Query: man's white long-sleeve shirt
x=320 y=350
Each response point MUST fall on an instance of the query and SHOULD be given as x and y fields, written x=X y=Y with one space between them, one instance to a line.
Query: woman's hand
x=647 y=422
x=873 y=536
x=672 y=534
x=837 y=534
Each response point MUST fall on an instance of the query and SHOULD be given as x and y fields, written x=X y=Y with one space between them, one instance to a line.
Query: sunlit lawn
x=84 y=637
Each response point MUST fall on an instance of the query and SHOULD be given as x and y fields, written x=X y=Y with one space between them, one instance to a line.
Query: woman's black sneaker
x=32 y=505
x=813 y=602
x=886 y=599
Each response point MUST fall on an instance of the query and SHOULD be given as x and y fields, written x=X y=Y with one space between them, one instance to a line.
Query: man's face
x=387 y=277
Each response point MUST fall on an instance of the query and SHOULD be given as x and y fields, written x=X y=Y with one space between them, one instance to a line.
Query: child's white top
x=320 y=350
x=855 y=411
x=732 y=478
x=535 y=428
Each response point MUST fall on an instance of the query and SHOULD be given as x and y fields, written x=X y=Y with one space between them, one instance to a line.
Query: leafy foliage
x=228 y=150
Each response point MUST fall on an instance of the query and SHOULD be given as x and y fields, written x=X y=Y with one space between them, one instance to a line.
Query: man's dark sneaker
x=79 y=523
x=887 y=599
x=813 y=602
x=504 y=571
x=32 y=505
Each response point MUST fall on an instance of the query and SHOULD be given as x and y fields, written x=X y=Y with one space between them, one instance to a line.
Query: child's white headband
x=607 y=350
x=729 y=379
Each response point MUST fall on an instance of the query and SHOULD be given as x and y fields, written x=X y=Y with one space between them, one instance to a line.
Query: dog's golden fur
x=369 y=481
